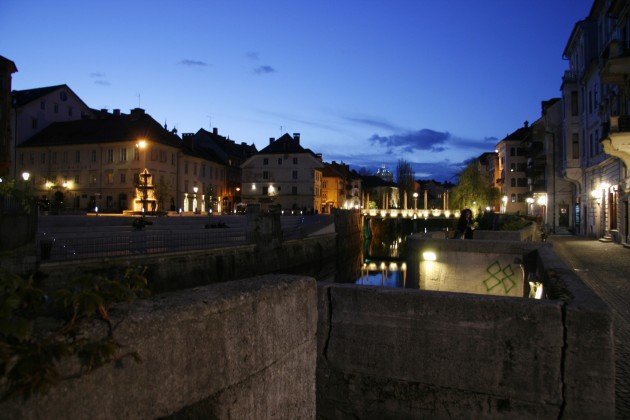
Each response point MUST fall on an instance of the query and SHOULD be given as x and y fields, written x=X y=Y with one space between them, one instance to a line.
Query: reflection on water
x=384 y=273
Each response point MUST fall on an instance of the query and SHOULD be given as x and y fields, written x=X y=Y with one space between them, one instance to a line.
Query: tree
x=473 y=190
x=405 y=177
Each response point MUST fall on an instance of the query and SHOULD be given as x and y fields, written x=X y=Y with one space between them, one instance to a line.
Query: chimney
x=296 y=137
x=117 y=112
x=137 y=112
x=271 y=140
x=215 y=131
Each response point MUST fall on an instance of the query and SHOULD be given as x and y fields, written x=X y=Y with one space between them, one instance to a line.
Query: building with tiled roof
x=110 y=160
x=284 y=173
x=341 y=187
x=231 y=154
x=35 y=109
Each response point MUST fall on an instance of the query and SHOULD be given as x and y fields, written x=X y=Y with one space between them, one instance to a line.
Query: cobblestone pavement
x=605 y=268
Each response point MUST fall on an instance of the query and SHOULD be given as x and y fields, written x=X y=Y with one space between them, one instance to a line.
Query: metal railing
x=135 y=242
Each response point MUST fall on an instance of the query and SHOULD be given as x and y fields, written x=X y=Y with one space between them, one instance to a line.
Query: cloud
x=373 y=122
x=252 y=55
x=100 y=79
x=264 y=70
x=193 y=63
x=409 y=142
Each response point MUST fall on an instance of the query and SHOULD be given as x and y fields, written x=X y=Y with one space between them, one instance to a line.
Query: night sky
x=365 y=82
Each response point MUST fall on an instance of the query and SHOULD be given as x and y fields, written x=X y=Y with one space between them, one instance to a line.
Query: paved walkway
x=605 y=268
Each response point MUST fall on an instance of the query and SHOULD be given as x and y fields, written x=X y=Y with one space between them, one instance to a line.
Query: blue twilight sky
x=366 y=82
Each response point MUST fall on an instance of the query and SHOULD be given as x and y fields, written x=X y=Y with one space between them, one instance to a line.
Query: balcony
x=616 y=63
x=617 y=143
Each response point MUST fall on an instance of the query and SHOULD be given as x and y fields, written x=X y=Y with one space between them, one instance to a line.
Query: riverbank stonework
x=241 y=349
x=405 y=353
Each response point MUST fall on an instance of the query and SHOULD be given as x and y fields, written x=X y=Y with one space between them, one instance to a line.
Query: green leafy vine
x=30 y=352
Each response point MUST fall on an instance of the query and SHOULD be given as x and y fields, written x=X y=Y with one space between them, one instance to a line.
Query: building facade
x=231 y=154
x=512 y=158
x=596 y=130
x=7 y=68
x=286 y=174
x=341 y=187
x=118 y=162
x=35 y=109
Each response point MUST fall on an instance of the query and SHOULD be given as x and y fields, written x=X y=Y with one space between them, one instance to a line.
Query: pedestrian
x=465 y=225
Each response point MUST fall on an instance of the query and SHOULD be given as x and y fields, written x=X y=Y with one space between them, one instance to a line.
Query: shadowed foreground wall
x=243 y=349
x=402 y=353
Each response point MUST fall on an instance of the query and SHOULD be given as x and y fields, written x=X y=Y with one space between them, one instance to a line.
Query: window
x=136 y=153
x=522 y=182
x=70 y=111
x=186 y=168
x=92 y=178
x=295 y=160
x=279 y=161
x=203 y=170
x=93 y=156
x=294 y=190
x=123 y=177
x=512 y=151
x=195 y=168
x=324 y=184
x=163 y=157
x=54 y=157
x=77 y=179
x=110 y=177
x=295 y=174
x=63 y=96
x=110 y=155
x=576 y=146
x=521 y=167
x=265 y=174
x=22 y=159
x=513 y=182
x=136 y=178
x=513 y=198
x=77 y=156
x=574 y=103
x=31 y=158
x=154 y=154
x=65 y=157
x=123 y=154
x=42 y=158
x=512 y=167
x=266 y=161
x=265 y=190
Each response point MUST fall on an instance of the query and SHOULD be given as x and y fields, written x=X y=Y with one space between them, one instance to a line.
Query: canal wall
x=408 y=353
x=313 y=256
x=243 y=350
x=484 y=267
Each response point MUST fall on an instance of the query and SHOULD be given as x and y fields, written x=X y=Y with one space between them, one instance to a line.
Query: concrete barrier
x=243 y=349
x=402 y=353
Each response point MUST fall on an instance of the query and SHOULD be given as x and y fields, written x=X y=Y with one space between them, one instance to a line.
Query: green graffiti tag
x=499 y=276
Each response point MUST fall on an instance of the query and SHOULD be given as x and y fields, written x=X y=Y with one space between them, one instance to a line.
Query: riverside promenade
x=605 y=268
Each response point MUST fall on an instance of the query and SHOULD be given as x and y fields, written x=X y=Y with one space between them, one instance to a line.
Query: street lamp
x=415 y=201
